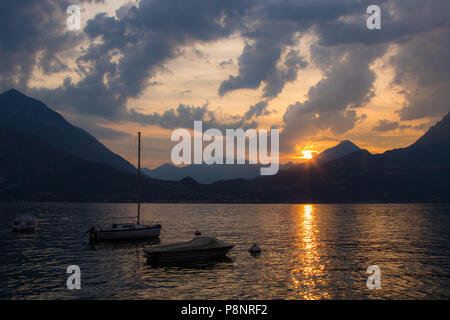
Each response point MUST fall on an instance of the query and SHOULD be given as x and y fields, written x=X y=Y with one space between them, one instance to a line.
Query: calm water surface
x=309 y=252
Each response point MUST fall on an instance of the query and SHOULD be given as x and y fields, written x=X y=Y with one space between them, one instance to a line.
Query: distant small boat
x=199 y=249
x=25 y=223
x=126 y=231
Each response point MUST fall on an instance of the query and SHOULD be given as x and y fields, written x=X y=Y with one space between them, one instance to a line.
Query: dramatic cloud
x=259 y=63
x=259 y=109
x=286 y=73
x=126 y=53
x=423 y=67
x=278 y=24
x=122 y=55
x=32 y=35
x=347 y=84
x=184 y=116
x=420 y=31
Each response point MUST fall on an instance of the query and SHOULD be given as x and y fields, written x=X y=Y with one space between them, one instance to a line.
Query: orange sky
x=194 y=78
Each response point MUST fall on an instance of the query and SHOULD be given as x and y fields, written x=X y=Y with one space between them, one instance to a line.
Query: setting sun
x=307 y=154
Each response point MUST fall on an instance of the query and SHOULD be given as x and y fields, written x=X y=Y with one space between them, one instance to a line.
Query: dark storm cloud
x=400 y=20
x=259 y=109
x=424 y=63
x=133 y=49
x=286 y=73
x=421 y=31
x=184 y=116
x=32 y=34
x=258 y=62
x=277 y=26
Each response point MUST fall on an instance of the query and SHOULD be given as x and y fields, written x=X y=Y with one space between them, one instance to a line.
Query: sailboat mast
x=139 y=180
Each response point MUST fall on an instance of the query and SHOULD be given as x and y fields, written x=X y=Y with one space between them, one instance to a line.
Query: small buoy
x=198 y=233
x=254 y=249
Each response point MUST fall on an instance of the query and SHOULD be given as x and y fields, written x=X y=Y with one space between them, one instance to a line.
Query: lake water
x=308 y=252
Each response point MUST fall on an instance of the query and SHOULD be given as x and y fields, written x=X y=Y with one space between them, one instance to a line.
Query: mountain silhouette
x=416 y=173
x=340 y=150
x=32 y=169
x=204 y=173
x=39 y=161
x=433 y=148
x=37 y=164
x=23 y=114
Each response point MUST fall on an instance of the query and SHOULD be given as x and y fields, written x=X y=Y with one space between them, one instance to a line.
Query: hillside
x=31 y=169
x=23 y=114
x=340 y=150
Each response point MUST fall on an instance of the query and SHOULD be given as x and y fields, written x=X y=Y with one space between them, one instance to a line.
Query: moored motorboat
x=199 y=249
x=24 y=223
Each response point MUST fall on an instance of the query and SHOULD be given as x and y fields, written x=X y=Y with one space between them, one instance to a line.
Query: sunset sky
x=309 y=67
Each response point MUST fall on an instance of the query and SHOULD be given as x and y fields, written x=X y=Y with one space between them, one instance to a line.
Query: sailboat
x=127 y=231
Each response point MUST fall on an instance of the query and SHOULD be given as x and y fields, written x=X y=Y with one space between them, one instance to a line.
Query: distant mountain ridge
x=417 y=173
x=21 y=113
x=32 y=168
x=204 y=173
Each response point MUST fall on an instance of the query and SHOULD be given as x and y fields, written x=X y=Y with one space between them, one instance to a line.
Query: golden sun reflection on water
x=309 y=274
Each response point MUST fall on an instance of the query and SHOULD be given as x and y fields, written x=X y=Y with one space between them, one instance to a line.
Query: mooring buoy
x=254 y=249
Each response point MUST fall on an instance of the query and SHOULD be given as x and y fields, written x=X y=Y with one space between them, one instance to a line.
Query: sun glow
x=307 y=154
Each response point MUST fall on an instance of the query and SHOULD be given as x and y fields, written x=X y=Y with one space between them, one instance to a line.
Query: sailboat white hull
x=122 y=233
x=128 y=231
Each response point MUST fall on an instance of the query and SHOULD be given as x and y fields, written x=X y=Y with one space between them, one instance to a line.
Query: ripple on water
x=309 y=252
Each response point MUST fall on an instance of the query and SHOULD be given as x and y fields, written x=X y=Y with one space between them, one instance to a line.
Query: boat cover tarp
x=197 y=243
